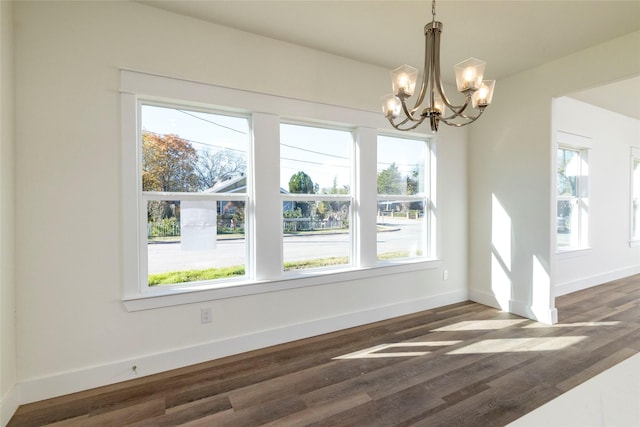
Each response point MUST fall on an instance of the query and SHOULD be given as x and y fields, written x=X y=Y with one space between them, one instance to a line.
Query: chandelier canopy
x=469 y=82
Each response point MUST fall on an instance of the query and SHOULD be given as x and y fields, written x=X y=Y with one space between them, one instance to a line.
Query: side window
x=193 y=194
x=403 y=198
x=635 y=196
x=315 y=185
x=572 y=198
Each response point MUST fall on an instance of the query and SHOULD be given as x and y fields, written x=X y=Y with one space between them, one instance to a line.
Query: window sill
x=167 y=297
x=634 y=243
x=572 y=253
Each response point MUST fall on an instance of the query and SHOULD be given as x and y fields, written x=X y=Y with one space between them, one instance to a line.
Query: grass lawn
x=186 y=276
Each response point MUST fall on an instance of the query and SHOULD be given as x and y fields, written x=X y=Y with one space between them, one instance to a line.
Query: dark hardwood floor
x=463 y=364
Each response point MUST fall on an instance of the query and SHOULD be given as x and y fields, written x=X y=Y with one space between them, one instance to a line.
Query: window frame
x=634 y=235
x=266 y=112
x=327 y=198
x=582 y=146
x=146 y=196
x=424 y=197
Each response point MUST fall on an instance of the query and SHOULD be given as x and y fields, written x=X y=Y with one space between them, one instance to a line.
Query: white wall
x=510 y=162
x=7 y=283
x=73 y=331
x=610 y=256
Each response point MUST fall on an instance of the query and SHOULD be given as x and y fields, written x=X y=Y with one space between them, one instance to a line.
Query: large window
x=402 y=201
x=193 y=178
x=315 y=181
x=220 y=200
x=635 y=196
x=572 y=198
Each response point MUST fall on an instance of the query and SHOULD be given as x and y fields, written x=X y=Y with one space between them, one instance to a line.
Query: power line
x=314 y=152
x=313 y=163
x=283 y=158
x=200 y=142
x=282 y=144
x=212 y=122
x=340 y=157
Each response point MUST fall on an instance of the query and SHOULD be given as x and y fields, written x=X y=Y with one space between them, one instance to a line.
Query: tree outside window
x=315 y=169
x=403 y=202
x=193 y=176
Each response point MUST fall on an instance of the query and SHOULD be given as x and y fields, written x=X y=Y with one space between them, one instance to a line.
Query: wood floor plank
x=119 y=417
x=253 y=416
x=386 y=411
x=463 y=364
x=187 y=412
x=320 y=413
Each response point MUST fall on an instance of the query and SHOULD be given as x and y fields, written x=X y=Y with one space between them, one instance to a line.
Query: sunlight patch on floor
x=570 y=325
x=481 y=325
x=378 y=350
x=508 y=345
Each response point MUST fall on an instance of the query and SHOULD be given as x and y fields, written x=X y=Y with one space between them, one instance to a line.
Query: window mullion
x=266 y=205
x=365 y=190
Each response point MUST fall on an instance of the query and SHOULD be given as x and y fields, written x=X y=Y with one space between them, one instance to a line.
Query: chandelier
x=468 y=81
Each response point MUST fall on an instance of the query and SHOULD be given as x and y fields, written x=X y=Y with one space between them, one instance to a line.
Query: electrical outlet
x=445 y=274
x=205 y=315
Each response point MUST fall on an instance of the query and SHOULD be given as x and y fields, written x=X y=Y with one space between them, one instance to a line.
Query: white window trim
x=273 y=110
x=583 y=145
x=635 y=155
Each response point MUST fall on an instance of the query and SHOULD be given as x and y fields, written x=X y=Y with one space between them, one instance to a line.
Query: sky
x=321 y=153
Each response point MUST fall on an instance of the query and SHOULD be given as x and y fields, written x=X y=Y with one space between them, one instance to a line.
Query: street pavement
x=165 y=257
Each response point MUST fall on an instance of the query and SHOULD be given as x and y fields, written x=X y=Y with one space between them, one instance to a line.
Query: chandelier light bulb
x=438 y=105
x=391 y=106
x=404 y=83
x=483 y=96
x=469 y=74
x=404 y=80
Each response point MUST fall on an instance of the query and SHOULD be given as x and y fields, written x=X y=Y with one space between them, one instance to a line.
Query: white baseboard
x=595 y=280
x=485 y=298
x=539 y=314
x=82 y=379
x=8 y=405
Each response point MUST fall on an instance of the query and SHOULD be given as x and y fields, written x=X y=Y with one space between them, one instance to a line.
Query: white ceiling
x=621 y=97
x=511 y=35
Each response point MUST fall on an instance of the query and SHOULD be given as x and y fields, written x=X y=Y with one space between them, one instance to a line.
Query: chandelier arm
x=470 y=120
x=408 y=113
x=433 y=64
x=458 y=113
x=397 y=126
x=428 y=60
x=456 y=109
x=436 y=74
x=408 y=118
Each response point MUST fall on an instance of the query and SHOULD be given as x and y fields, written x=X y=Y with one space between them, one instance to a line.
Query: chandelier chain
x=433 y=11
